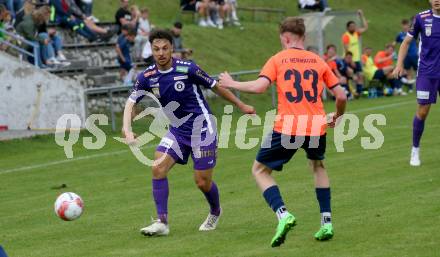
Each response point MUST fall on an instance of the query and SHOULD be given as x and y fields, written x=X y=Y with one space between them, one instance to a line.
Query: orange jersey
x=299 y=75
x=380 y=55
x=333 y=65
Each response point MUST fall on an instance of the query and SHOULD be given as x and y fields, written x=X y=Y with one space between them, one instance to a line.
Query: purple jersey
x=427 y=25
x=181 y=84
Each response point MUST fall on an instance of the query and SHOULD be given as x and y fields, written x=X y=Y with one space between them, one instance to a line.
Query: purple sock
x=418 y=127
x=160 y=194
x=213 y=199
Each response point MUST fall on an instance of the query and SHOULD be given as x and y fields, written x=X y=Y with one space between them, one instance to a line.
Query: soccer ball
x=69 y=206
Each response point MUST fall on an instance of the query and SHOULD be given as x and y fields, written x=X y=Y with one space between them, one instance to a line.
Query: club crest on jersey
x=428 y=31
x=179 y=86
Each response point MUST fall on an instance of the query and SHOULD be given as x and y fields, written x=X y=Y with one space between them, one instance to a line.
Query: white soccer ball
x=69 y=206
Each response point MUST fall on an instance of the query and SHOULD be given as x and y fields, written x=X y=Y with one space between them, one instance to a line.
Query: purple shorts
x=203 y=150
x=427 y=90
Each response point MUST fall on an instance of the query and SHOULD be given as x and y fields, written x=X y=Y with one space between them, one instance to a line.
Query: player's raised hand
x=247 y=109
x=398 y=71
x=360 y=12
x=225 y=79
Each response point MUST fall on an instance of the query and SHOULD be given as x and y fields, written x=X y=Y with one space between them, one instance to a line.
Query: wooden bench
x=269 y=12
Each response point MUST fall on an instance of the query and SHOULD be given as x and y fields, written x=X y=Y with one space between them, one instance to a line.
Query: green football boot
x=284 y=226
x=325 y=232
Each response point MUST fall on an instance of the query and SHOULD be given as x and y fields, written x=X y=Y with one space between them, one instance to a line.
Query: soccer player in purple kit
x=426 y=25
x=192 y=130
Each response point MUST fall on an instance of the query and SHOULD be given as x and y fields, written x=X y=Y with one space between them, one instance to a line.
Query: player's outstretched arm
x=229 y=96
x=126 y=127
x=258 y=86
x=364 y=22
x=341 y=102
x=403 y=51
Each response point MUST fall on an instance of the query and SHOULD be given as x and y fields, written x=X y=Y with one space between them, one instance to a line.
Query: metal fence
x=111 y=93
x=22 y=46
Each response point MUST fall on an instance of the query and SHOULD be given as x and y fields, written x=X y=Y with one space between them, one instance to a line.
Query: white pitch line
x=118 y=152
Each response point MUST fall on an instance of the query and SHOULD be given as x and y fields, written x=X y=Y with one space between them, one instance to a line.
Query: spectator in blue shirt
x=125 y=40
x=412 y=59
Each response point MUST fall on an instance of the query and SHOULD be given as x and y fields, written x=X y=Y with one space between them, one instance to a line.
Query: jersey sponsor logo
x=423 y=95
x=181 y=77
x=154 y=80
x=179 y=86
x=155 y=85
x=425 y=15
x=429 y=20
x=182 y=69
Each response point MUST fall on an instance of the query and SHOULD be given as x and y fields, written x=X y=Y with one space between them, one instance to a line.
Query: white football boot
x=415 y=157
x=158 y=228
x=210 y=223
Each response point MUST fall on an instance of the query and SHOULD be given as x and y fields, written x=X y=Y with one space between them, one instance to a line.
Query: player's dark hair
x=293 y=25
x=331 y=46
x=389 y=45
x=348 y=53
x=349 y=23
x=161 y=34
x=405 y=22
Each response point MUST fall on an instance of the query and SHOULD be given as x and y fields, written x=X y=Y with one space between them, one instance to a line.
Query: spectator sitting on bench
x=123 y=16
x=13 y=6
x=179 y=51
x=201 y=7
x=383 y=74
x=231 y=16
x=218 y=11
x=5 y=18
x=125 y=39
x=334 y=62
x=314 y=5
x=29 y=28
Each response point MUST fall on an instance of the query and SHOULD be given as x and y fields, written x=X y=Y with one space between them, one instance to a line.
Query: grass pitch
x=381 y=206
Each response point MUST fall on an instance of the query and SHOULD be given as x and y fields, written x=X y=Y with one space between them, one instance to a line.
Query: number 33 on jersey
x=300 y=76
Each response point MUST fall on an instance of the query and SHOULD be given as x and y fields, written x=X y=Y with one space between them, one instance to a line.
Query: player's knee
x=317 y=165
x=259 y=169
x=422 y=112
x=203 y=184
x=159 y=171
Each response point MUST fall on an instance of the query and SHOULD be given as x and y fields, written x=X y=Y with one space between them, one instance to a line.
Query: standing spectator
x=201 y=7
x=385 y=58
x=412 y=59
x=125 y=39
x=143 y=32
x=123 y=15
x=314 y=5
x=179 y=51
x=351 y=42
